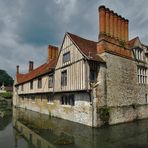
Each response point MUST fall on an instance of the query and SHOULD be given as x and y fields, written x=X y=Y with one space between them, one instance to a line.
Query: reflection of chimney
x=102 y=19
x=52 y=52
x=17 y=69
x=30 y=66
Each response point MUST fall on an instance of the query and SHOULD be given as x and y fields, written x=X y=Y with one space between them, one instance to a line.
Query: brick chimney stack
x=119 y=27
x=107 y=22
x=52 y=52
x=112 y=25
x=102 y=16
x=126 y=30
x=31 y=65
x=17 y=69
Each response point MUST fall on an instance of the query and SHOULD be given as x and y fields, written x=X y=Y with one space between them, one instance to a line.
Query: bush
x=6 y=95
x=105 y=114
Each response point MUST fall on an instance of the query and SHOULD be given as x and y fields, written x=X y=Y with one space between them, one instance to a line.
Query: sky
x=28 y=26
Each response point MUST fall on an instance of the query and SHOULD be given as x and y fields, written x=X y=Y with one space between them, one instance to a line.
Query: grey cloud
x=28 y=26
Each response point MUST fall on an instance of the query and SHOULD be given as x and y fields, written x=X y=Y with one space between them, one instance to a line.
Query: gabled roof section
x=135 y=42
x=87 y=47
x=41 y=70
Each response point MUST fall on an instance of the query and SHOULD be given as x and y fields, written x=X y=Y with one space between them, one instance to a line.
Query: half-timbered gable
x=73 y=66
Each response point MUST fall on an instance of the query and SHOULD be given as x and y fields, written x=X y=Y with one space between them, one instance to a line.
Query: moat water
x=26 y=129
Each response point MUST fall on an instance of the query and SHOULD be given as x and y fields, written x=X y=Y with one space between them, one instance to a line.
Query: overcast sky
x=28 y=26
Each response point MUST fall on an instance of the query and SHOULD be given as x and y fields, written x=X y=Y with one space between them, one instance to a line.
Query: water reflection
x=5 y=116
x=41 y=131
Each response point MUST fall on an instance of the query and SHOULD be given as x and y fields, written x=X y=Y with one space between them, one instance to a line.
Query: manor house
x=90 y=82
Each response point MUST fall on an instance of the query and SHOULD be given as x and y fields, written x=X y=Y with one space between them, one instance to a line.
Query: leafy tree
x=5 y=78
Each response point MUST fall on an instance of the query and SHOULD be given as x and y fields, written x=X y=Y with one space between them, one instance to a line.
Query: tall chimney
x=107 y=22
x=119 y=27
x=126 y=30
x=122 y=29
x=52 y=52
x=112 y=25
x=31 y=66
x=102 y=16
x=17 y=69
x=115 y=25
x=111 y=21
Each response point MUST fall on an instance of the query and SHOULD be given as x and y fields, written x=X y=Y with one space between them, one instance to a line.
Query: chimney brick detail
x=52 y=52
x=31 y=65
x=113 y=36
x=17 y=69
x=112 y=25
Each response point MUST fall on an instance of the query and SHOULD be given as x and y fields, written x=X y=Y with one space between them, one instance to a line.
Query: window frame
x=68 y=100
x=64 y=78
x=50 y=81
x=66 y=57
x=39 y=83
x=31 y=84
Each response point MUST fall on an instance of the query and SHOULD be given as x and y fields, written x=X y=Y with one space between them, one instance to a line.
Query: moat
x=26 y=129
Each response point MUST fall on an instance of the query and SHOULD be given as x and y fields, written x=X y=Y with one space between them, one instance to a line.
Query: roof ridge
x=81 y=37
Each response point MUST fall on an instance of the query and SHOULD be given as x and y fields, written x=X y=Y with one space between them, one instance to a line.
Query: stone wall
x=81 y=112
x=125 y=97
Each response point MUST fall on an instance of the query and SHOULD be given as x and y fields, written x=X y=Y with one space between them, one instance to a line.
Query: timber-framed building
x=90 y=82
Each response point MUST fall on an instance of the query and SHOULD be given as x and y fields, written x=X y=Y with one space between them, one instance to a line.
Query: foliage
x=5 y=78
x=6 y=95
x=104 y=114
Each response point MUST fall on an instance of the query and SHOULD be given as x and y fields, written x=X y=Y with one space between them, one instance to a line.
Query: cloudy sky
x=28 y=26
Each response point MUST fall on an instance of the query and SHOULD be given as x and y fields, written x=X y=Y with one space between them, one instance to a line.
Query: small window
x=50 y=82
x=64 y=78
x=66 y=57
x=22 y=87
x=68 y=100
x=142 y=75
x=32 y=97
x=39 y=82
x=146 y=98
x=138 y=54
x=50 y=98
x=93 y=75
x=31 y=84
x=22 y=97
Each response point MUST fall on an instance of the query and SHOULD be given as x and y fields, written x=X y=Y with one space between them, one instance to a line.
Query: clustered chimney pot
x=112 y=24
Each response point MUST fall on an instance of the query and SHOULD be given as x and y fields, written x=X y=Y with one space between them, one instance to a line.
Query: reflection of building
x=90 y=82
x=42 y=131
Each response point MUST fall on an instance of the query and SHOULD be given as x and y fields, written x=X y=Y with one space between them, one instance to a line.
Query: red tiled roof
x=46 y=67
x=88 y=47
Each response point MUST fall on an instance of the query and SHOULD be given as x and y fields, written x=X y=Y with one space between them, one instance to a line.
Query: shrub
x=104 y=114
x=6 y=95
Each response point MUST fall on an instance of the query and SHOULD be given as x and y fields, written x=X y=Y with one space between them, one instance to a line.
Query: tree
x=5 y=78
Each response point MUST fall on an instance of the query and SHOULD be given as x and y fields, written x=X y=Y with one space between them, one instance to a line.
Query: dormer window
x=138 y=54
x=66 y=57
